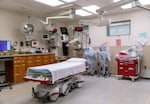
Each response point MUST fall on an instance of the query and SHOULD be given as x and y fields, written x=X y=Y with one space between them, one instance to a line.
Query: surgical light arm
x=137 y=4
x=112 y=6
x=101 y=11
x=120 y=3
x=55 y=17
x=73 y=41
x=64 y=15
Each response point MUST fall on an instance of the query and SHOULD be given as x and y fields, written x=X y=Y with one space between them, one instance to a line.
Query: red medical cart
x=128 y=66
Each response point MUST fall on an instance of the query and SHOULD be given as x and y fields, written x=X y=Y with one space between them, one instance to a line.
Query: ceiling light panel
x=116 y=0
x=144 y=2
x=91 y=8
x=127 y=6
x=50 y=2
x=81 y=12
x=68 y=1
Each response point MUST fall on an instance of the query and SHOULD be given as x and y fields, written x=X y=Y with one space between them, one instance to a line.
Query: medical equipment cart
x=128 y=67
x=4 y=74
x=2 y=82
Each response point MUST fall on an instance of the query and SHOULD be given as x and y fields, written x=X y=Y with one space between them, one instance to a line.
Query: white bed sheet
x=64 y=69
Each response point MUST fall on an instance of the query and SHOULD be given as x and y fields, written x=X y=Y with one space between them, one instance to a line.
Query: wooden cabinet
x=49 y=59
x=18 y=66
x=30 y=61
x=52 y=59
x=38 y=60
x=46 y=59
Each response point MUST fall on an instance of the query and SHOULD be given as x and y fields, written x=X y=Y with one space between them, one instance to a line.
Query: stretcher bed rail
x=54 y=72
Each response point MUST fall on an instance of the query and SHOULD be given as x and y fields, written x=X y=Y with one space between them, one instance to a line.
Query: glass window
x=119 y=28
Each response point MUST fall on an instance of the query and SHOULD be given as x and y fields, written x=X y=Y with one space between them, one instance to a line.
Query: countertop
x=13 y=55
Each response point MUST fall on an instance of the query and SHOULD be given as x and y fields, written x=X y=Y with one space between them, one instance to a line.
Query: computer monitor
x=5 y=45
x=64 y=30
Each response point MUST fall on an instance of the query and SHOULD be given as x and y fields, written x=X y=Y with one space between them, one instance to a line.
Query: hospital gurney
x=56 y=79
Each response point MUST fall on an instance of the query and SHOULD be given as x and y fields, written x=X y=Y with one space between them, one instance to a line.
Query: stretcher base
x=51 y=92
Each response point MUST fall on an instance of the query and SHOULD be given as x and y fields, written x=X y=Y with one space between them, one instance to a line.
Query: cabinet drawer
x=130 y=71
x=52 y=56
x=52 y=61
x=29 y=57
x=16 y=65
x=19 y=65
x=45 y=57
x=125 y=73
x=19 y=60
x=46 y=62
x=30 y=62
x=38 y=62
x=120 y=71
x=38 y=57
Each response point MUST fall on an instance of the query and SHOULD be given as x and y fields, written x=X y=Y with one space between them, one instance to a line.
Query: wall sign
x=34 y=43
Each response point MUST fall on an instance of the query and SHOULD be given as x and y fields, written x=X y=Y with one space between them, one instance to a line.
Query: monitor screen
x=5 y=45
x=64 y=30
x=79 y=29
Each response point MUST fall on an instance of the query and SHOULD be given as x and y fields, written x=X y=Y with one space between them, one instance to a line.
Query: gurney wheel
x=54 y=97
x=80 y=84
x=65 y=89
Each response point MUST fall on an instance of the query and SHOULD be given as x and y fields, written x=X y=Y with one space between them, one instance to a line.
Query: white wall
x=140 y=22
x=9 y=25
x=10 y=28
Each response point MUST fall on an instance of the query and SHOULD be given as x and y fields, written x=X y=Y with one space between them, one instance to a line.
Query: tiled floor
x=95 y=91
